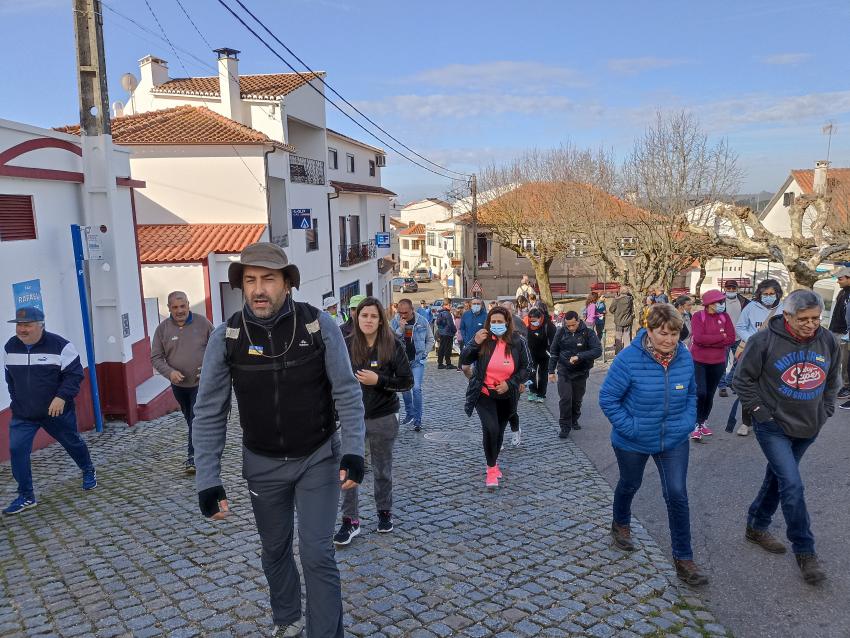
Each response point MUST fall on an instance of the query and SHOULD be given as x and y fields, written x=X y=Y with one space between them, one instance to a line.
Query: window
x=627 y=246
x=354 y=229
x=347 y=292
x=431 y=238
x=405 y=244
x=333 y=159
x=434 y=262
x=383 y=223
x=405 y=265
x=349 y=162
x=369 y=289
x=528 y=245
x=17 y=219
x=576 y=248
x=788 y=199
x=371 y=168
x=312 y=236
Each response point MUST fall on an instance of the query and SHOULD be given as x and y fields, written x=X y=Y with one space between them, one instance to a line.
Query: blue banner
x=28 y=293
x=301 y=218
x=382 y=240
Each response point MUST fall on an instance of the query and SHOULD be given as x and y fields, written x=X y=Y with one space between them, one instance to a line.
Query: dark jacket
x=622 y=310
x=540 y=339
x=50 y=368
x=583 y=343
x=393 y=376
x=522 y=371
x=838 y=321
x=446 y=323
x=789 y=382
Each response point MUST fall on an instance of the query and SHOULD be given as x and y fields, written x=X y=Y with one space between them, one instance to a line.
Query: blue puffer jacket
x=650 y=409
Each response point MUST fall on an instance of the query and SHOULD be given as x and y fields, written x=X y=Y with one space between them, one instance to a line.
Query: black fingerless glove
x=208 y=499
x=354 y=465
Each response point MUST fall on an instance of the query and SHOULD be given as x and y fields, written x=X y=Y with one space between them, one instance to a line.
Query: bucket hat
x=265 y=255
x=712 y=296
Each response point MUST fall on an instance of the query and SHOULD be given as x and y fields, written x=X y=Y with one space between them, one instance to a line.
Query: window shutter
x=17 y=220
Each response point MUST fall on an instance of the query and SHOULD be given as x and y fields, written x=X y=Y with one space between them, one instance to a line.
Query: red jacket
x=712 y=336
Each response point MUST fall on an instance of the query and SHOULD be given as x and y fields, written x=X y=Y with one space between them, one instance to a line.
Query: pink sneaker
x=492 y=479
x=696 y=435
x=703 y=428
x=498 y=472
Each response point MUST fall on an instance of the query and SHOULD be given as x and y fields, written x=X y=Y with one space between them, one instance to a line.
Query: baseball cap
x=731 y=284
x=265 y=255
x=355 y=301
x=27 y=314
x=844 y=272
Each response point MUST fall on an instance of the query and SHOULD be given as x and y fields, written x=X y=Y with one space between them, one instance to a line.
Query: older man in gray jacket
x=289 y=368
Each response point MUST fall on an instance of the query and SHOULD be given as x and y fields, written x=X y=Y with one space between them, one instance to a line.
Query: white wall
x=424 y=212
x=362 y=156
x=159 y=280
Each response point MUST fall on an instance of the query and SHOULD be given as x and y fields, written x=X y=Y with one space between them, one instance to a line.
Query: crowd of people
x=314 y=387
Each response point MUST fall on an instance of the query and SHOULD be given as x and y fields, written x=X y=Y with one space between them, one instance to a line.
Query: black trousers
x=707 y=377
x=539 y=375
x=444 y=349
x=494 y=415
x=571 y=393
x=186 y=399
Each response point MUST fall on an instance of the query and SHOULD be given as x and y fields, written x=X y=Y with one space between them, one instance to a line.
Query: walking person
x=380 y=364
x=446 y=330
x=289 y=368
x=425 y=311
x=502 y=365
x=472 y=321
x=735 y=304
x=541 y=333
x=524 y=289
x=623 y=315
x=788 y=378
x=574 y=349
x=43 y=376
x=839 y=324
x=588 y=315
x=685 y=305
x=177 y=352
x=331 y=306
x=599 y=324
x=649 y=396
x=418 y=341
x=713 y=333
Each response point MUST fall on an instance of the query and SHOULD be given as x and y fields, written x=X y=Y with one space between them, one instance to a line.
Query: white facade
x=411 y=250
x=425 y=211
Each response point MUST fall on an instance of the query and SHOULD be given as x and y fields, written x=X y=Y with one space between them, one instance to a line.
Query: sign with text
x=94 y=245
x=382 y=240
x=28 y=293
x=301 y=218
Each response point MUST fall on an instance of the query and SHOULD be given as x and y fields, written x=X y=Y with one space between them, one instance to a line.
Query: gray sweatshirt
x=212 y=407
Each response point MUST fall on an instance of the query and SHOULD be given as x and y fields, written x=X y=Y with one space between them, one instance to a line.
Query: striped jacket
x=50 y=368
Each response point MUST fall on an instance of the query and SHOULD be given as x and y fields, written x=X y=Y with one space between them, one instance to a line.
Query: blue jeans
x=186 y=399
x=62 y=428
x=782 y=484
x=672 y=467
x=413 y=398
x=726 y=380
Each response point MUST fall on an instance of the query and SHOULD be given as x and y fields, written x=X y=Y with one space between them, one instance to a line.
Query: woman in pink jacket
x=712 y=333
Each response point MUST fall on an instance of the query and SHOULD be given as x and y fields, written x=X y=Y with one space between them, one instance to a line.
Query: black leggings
x=494 y=415
x=707 y=377
x=539 y=375
x=444 y=349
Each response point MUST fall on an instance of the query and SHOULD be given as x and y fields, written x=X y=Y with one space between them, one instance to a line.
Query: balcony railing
x=353 y=254
x=303 y=170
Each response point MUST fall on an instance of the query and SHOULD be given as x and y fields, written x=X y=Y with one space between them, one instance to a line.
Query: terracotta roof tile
x=839 y=188
x=182 y=125
x=170 y=243
x=348 y=187
x=416 y=229
x=269 y=86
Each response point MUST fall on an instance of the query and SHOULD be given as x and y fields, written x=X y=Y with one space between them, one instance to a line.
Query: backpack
x=446 y=323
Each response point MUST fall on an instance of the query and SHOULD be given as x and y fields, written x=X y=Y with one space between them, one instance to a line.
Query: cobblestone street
x=135 y=557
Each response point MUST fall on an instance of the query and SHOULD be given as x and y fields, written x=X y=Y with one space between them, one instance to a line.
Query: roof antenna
x=828 y=129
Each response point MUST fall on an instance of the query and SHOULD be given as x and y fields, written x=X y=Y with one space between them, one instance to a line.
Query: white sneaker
x=516 y=438
x=288 y=631
x=743 y=430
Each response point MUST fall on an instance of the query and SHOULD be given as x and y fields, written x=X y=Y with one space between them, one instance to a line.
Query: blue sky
x=469 y=83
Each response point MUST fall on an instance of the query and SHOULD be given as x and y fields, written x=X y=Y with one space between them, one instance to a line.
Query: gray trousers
x=622 y=338
x=381 y=434
x=844 y=358
x=311 y=485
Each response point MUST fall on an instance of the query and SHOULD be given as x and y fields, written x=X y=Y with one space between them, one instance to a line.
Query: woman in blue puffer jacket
x=649 y=396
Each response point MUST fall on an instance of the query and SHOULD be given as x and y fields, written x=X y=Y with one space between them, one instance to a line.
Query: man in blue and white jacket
x=43 y=374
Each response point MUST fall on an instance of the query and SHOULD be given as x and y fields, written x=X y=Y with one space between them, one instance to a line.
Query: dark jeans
x=726 y=379
x=539 y=375
x=444 y=349
x=782 y=484
x=62 y=428
x=600 y=328
x=672 y=467
x=707 y=376
x=310 y=485
x=494 y=415
x=571 y=393
x=186 y=399
x=381 y=434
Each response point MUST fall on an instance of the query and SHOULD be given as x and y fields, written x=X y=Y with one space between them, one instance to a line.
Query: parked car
x=422 y=274
x=405 y=284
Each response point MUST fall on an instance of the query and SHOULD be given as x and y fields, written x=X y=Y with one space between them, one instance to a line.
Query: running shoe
x=844 y=393
x=408 y=420
x=385 y=521
x=531 y=396
x=450 y=366
x=743 y=430
x=516 y=439
x=89 y=479
x=417 y=427
x=498 y=471
x=288 y=631
x=19 y=505
x=348 y=530
x=189 y=465
x=703 y=428
x=845 y=405
x=541 y=399
x=492 y=479
x=696 y=435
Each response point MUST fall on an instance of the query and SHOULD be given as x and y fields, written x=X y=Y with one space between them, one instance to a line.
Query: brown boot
x=810 y=568
x=688 y=572
x=622 y=535
x=765 y=540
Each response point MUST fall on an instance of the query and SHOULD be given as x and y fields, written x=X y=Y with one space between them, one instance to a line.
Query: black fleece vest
x=285 y=403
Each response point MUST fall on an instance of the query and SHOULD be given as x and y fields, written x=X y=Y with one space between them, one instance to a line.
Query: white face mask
x=476 y=308
x=731 y=295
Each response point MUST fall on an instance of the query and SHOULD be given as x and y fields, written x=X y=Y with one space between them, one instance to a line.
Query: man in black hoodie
x=788 y=379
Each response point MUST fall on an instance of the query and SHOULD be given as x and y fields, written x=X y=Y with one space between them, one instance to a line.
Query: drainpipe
x=331 y=241
x=268 y=191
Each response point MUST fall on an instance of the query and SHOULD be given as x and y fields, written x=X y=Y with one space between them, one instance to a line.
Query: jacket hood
x=777 y=326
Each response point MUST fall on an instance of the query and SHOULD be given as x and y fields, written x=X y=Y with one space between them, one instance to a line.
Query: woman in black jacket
x=502 y=364
x=541 y=332
x=380 y=364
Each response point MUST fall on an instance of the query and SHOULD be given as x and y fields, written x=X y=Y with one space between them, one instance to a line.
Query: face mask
x=731 y=295
x=768 y=300
x=720 y=307
x=476 y=308
x=535 y=324
x=498 y=329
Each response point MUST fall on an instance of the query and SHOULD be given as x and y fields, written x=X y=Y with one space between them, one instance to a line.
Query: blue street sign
x=28 y=293
x=301 y=218
x=382 y=240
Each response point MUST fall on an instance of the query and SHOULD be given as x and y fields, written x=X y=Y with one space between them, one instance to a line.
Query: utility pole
x=473 y=183
x=91 y=68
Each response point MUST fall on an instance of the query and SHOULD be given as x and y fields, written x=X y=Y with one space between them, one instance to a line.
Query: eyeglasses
x=812 y=320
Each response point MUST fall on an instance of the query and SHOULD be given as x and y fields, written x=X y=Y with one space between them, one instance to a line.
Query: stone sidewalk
x=135 y=558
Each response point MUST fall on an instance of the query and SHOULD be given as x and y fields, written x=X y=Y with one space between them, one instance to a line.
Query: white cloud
x=421 y=107
x=30 y=6
x=786 y=58
x=501 y=75
x=631 y=66
x=769 y=109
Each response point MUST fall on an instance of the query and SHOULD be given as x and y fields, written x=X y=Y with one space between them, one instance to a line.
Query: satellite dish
x=129 y=82
x=117 y=109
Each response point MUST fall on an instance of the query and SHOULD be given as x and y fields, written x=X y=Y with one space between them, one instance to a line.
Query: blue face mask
x=720 y=307
x=498 y=329
x=476 y=308
x=768 y=300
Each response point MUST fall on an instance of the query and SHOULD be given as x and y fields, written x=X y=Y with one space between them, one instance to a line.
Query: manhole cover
x=451 y=437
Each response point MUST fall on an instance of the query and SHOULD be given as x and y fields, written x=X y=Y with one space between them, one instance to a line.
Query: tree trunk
x=541 y=273
x=702 y=275
x=802 y=279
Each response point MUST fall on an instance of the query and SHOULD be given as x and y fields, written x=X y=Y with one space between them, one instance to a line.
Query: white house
x=411 y=250
x=425 y=211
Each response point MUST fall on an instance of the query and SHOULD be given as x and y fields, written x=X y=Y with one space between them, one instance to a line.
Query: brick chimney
x=821 y=167
x=228 y=84
x=153 y=71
